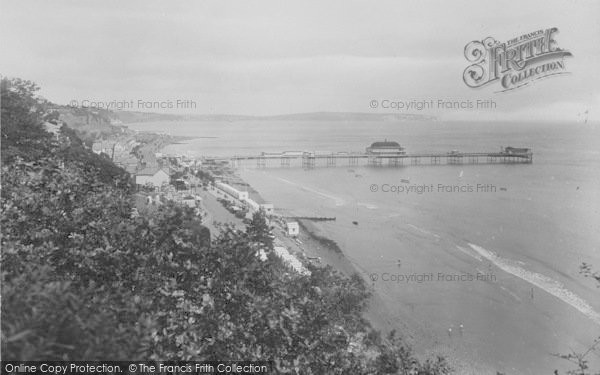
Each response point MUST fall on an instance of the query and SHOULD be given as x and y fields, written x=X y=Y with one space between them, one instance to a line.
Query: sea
x=479 y=261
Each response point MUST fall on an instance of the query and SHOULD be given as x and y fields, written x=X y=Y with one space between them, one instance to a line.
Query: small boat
x=355 y=222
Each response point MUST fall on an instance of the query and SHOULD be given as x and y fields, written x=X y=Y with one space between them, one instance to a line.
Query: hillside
x=85 y=277
x=130 y=117
x=349 y=116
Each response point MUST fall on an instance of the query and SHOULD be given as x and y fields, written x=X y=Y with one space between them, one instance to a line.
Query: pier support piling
x=311 y=160
x=261 y=163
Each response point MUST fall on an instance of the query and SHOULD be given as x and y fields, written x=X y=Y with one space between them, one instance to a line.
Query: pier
x=310 y=160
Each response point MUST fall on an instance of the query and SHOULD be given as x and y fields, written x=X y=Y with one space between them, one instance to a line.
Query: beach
x=525 y=232
x=507 y=320
x=461 y=303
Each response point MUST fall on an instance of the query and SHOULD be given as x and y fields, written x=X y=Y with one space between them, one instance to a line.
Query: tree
x=259 y=231
x=22 y=132
x=85 y=278
x=72 y=150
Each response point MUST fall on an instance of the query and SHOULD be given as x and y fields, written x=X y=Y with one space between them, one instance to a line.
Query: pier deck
x=310 y=160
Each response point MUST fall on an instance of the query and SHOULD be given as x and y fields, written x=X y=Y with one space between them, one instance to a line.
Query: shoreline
x=326 y=242
x=412 y=317
x=324 y=248
x=379 y=314
x=314 y=246
x=317 y=246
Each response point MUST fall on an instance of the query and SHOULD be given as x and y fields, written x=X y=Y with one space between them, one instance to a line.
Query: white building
x=53 y=128
x=268 y=208
x=293 y=228
x=253 y=206
x=189 y=201
x=152 y=176
x=235 y=193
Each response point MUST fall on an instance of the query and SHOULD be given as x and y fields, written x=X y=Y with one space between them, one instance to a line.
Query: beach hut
x=293 y=228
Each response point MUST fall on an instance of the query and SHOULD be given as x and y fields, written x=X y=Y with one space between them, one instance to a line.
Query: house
x=268 y=208
x=152 y=176
x=293 y=229
x=191 y=201
x=53 y=128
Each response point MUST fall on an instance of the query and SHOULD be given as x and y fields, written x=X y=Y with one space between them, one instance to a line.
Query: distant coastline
x=128 y=117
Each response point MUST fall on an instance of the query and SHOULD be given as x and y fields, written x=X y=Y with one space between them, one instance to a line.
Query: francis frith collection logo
x=514 y=63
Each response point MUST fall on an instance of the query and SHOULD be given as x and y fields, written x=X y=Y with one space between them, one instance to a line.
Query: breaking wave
x=543 y=282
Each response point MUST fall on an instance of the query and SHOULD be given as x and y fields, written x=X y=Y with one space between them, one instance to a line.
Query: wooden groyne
x=311 y=218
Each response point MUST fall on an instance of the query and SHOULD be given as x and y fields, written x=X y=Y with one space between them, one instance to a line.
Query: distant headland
x=131 y=116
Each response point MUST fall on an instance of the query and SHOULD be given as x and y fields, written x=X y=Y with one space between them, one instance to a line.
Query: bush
x=83 y=278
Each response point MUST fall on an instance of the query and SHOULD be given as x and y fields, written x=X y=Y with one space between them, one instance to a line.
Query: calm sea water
x=528 y=237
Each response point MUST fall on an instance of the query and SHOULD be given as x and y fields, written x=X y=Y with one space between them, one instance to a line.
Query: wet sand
x=504 y=328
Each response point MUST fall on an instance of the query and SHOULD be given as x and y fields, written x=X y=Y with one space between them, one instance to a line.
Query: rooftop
x=150 y=171
x=386 y=144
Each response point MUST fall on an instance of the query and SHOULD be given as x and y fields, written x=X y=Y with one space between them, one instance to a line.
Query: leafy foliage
x=259 y=231
x=581 y=361
x=83 y=278
x=22 y=114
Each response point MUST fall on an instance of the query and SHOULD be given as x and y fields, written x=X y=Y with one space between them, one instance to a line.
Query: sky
x=279 y=57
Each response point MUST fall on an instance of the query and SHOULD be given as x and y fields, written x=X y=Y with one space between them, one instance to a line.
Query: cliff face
x=102 y=131
x=91 y=123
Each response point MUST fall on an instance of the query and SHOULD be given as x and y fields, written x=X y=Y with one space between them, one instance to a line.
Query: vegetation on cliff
x=85 y=278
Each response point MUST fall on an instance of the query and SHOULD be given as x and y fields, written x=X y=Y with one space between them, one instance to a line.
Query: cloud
x=273 y=57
